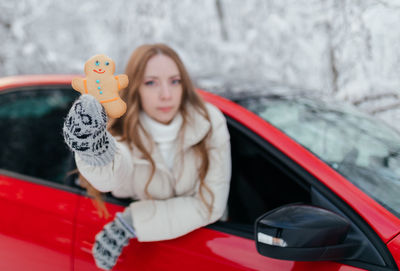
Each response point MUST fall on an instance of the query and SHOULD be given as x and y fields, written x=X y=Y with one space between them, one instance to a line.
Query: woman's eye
x=149 y=83
x=176 y=81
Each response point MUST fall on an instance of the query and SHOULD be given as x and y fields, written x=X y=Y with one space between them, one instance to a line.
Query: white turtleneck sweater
x=164 y=135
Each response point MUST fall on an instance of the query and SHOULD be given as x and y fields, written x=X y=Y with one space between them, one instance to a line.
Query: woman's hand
x=86 y=134
x=110 y=241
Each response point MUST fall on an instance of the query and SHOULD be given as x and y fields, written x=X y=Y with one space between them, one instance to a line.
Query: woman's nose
x=165 y=92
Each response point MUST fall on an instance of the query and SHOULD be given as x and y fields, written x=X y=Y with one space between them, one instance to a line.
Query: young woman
x=170 y=153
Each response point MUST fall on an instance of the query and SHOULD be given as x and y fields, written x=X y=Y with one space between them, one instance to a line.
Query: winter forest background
x=345 y=50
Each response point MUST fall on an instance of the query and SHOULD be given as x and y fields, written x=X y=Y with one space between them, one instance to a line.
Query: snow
x=339 y=49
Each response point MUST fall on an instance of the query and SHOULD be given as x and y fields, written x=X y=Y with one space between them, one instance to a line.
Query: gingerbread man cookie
x=101 y=83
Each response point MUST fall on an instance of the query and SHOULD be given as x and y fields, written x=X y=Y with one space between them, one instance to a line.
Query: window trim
x=39 y=181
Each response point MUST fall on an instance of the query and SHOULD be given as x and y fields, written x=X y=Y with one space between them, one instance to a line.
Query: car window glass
x=31 y=139
x=361 y=148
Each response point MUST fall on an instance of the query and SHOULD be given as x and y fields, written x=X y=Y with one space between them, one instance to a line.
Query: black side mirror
x=303 y=233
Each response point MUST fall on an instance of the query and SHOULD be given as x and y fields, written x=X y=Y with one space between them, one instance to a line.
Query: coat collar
x=196 y=128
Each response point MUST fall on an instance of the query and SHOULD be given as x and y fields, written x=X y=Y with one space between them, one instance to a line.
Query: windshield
x=361 y=148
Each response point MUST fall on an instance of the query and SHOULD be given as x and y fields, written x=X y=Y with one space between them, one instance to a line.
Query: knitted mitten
x=85 y=132
x=111 y=240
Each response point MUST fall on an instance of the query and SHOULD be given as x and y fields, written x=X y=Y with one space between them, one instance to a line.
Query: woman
x=170 y=152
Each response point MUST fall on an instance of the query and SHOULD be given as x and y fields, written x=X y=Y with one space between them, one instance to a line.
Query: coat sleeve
x=156 y=220
x=113 y=176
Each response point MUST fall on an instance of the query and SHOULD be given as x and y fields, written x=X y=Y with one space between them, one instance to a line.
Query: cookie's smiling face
x=100 y=65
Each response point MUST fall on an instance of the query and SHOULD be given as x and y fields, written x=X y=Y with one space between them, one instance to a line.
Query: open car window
x=259 y=183
x=31 y=140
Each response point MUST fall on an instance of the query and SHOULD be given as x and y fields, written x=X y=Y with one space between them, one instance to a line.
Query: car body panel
x=38 y=222
x=199 y=250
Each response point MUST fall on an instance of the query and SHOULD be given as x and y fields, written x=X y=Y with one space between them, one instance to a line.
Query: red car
x=313 y=187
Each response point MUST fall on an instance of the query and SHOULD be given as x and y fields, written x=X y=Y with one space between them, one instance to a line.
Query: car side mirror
x=303 y=233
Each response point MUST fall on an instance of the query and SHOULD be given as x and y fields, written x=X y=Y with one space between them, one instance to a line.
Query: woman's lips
x=165 y=109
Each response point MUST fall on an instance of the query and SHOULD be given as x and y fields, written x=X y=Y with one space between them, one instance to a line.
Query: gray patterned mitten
x=112 y=239
x=85 y=132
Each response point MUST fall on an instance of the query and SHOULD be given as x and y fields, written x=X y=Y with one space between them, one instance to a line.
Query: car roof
x=32 y=80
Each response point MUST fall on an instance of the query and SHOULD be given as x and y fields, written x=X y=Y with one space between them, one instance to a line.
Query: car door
x=37 y=209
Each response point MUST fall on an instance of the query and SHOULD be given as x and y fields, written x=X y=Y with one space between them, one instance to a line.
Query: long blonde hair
x=128 y=126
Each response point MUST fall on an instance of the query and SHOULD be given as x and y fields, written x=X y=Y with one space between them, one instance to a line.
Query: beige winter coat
x=176 y=207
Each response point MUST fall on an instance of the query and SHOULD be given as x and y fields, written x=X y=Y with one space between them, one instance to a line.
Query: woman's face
x=161 y=90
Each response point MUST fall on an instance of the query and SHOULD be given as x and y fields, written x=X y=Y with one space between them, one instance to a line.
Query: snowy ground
x=338 y=49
